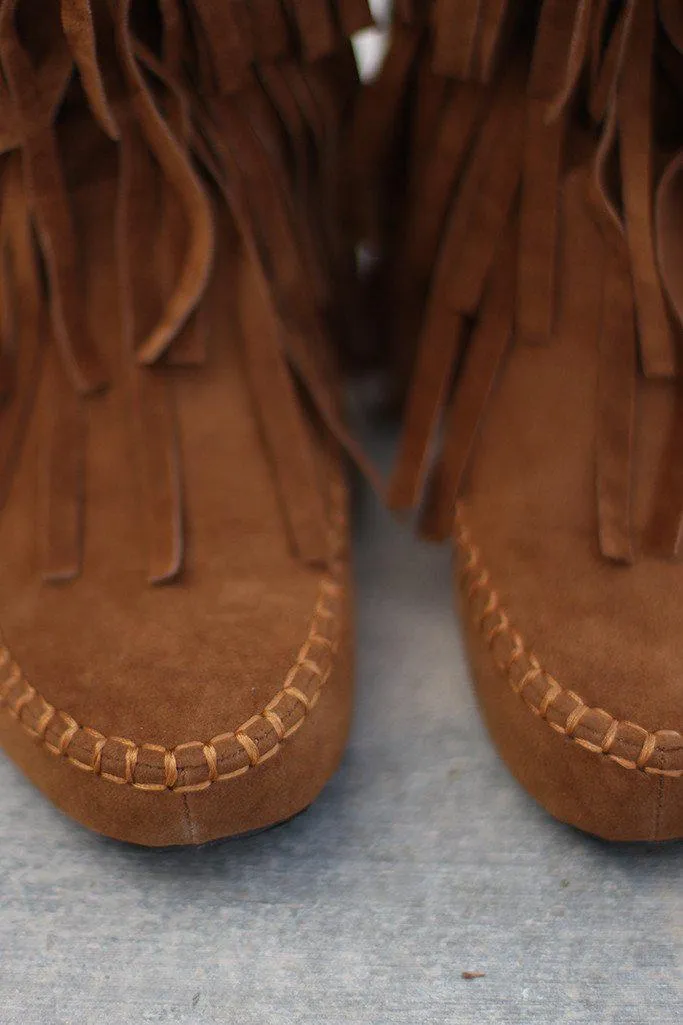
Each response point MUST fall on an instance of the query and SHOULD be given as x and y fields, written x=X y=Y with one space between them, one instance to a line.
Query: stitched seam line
x=251 y=747
x=492 y=621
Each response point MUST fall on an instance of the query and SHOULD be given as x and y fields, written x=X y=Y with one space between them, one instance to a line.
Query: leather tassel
x=189 y=346
x=174 y=30
x=323 y=116
x=278 y=84
x=438 y=351
x=559 y=54
x=25 y=312
x=37 y=93
x=342 y=311
x=178 y=173
x=617 y=368
x=79 y=29
x=159 y=468
x=669 y=233
x=267 y=311
x=295 y=322
x=320 y=206
x=222 y=33
x=427 y=209
x=8 y=339
x=274 y=357
x=577 y=59
x=310 y=359
x=315 y=26
x=432 y=188
x=475 y=226
x=536 y=282
x=616 y=410
x=152 y=226
x=270 y=31
x=263 y=205
x=282 y=422
x=634 y=113
x=431 y=97
x=490 y=340
x=497 y=18
x=456 y=33
x=152 y=418
x=665 y=529
x=371 y=138
x=605 y=57
x=484 y=202
x=671 y=17
x=64 y=485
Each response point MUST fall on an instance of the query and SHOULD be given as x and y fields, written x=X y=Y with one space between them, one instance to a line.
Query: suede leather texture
x=175 y=657
x=532 y=281
x=607 y=632
x=169 y=665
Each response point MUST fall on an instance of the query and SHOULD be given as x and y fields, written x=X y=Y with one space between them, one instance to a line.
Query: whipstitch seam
x=493 y=622
x=330 y=590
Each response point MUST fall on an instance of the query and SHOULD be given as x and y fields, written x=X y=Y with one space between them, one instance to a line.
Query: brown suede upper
x=606 y=633
x=174 y=596
x=540 y=231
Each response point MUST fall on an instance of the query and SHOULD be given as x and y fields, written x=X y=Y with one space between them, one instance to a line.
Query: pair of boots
x=183 y=189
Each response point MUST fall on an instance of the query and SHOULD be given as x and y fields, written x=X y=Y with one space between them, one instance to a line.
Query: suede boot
x=176 y=655
x=534 y=288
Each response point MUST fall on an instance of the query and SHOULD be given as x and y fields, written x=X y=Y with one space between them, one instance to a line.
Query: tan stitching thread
x=330 y=589
x=170 y=769
x=131 y=762
x=575 y=716
x=12 y=680
x=23 y=700
x=97 y=755
x=646 y=751
x=44 y=721
x=501 y=627
x=478 y=584
x=478 y=588
x=532 y=673
x=275 y=721
x=69 y=733
x=610 y=737
x=300 y=696
x=515 y=655
x=211 y=761
x=313 y=667
x=320 y=639
x=249 y=746
x=552 y=692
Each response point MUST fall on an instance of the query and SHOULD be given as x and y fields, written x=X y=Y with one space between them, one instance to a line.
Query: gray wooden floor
x=421 y=860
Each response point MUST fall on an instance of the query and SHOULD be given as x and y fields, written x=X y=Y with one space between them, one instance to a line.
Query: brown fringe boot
x=533 y=289
x=174 y=272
